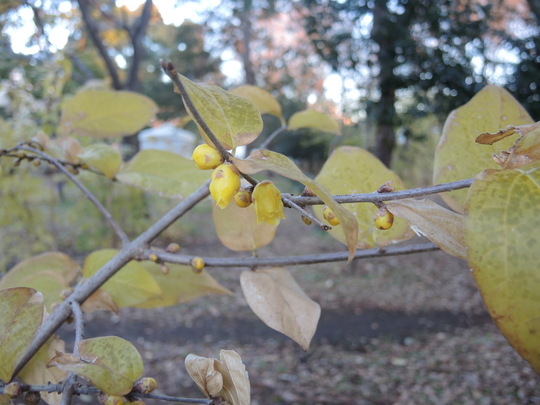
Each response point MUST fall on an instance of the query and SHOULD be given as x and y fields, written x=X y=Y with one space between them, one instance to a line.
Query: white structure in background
x=168 y=137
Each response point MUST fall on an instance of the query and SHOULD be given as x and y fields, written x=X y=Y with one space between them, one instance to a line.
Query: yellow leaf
x=165 y=173
x=314 y=119
x=49 y=273
x=238 y=230
x=503 y=252
x=236 y=387
x=443 y=227
x=106 y=113
x=352 y=170
x=130 y=286
x=280 y=303
x=180 y=285
x=21 y=312
x=234 y=120
x=267 y=160
x=36 y=372
x=110 y=363
x=263 y=100
x=458 y=156
x=102 y=158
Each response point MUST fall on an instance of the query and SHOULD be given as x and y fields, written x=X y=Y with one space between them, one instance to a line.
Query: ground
x=398 y=330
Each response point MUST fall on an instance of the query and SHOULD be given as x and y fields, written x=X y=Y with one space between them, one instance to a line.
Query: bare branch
x=378 y=197
x=288 y=203
x=119 y=232
x=272 y=136
x=291 y=260
x=136 y=34
x=126 y=254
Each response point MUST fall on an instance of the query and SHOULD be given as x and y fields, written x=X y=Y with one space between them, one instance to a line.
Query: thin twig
x=88 y=194
x=272 y=136
x=378 y=197
x=306 y=213
x=185 y=400
x=126 y=254
x=291 y=260
x=68 y=389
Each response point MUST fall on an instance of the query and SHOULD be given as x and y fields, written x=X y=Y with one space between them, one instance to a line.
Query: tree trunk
x=246 y=38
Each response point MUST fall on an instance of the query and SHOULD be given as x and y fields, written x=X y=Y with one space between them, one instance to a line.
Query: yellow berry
x=114 y=400
x=384 y=219
x=306 y=220
x=145 y=385
x=329 y=215
x=153 y=257
x=173 y=248
x=243 y=198
x=197 y=264
x=225 y=183
x=206 y=157
x=268 y=205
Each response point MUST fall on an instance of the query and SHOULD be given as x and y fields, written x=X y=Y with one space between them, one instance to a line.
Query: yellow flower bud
x=329 y=215
x=145 y=385
x=197 y=264
x=225 y=183
x=114 y=400
x=268 y=204
x=384 y=219
x=243 y=198
x=206 y=157
x=306 y=220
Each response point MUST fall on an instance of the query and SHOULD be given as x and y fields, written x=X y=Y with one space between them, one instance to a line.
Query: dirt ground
x=399 y=330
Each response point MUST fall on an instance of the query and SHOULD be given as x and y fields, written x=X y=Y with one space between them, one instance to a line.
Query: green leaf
x=458 y=156
x=130 y=286
x=263 y=100
x=443 y=227
x=234 y=120
x=503 y=239
x=314 y=119
x=49 y=273
x=110 y=363
x=36 y=372
x=238 y=230
x=102 y=158
x=267 y=160
x=106 y=113
x=165 y=173
x=180 y=285
x=21 y=313
x=280 y=303
x=352 y=170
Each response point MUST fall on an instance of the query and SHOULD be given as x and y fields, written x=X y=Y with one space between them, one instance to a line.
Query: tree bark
x=245 y=21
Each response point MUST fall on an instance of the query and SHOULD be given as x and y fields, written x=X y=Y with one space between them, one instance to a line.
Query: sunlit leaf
x=130 y=286
x=280 y=303
x=180 y=285
x=267 y=160
x=110 y=363
x=443 y=227
x=236 y=387
x=36 y=372
x=21 y=313
x=234 y=120
x=162 y=172
x=237 y=228
x=503 y=251
x=106 y=113
x=263 y=100
x=314 y=119
x=102 y=158
x=458 y=156
x=49 y=273
x=352 y=170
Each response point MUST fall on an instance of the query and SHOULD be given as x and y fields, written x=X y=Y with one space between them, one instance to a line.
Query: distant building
x=168 y=137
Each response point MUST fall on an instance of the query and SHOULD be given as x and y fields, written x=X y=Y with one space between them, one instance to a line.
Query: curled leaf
x=236 y=388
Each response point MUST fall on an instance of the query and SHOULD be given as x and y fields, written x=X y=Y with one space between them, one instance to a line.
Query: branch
x=119 y=232
x=93 y=31
x=289 y=204
x=126 y=254
x=68 y=389
x=272 y=136
x=136 y=34
x=378 y=197
x=290 y=260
